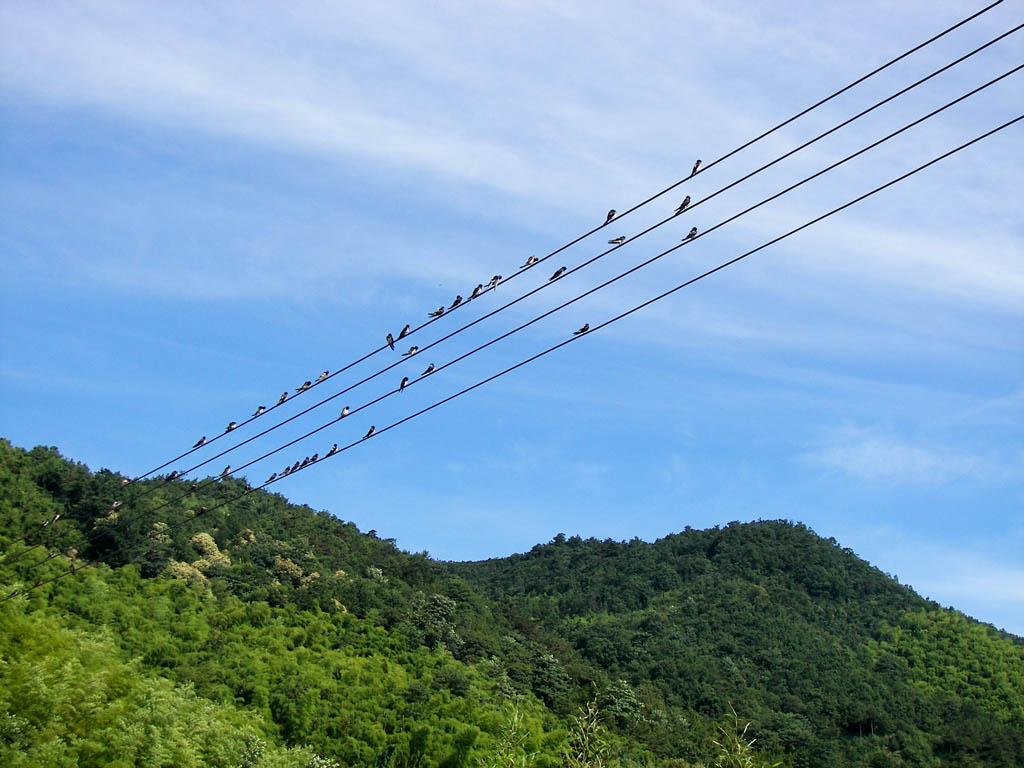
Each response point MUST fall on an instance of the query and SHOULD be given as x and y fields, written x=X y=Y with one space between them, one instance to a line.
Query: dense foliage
x=267 y=634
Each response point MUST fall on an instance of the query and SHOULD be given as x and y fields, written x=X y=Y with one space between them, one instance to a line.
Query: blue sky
x=204 y=206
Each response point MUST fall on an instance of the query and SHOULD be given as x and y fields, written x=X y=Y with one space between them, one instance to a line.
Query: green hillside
x=268 y=634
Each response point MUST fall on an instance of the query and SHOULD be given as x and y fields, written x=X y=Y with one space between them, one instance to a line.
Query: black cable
x=606 y=323
x=631 y=239
x=621 y=215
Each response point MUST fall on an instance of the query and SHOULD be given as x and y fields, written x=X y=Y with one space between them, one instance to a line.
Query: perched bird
x=173 y=475
x=430 y=370
x=611 y=215
x=617 y=240
x=231 y=426
x=126 y=480
x=287 y=471
x=296 y=465
x=305 y=385
x=493 y=282
x=272 y=478
x=344 y=412
x=115 y=505
x=193 y=488
x=202 y=511
x=404 y=332
x=404 y=384
x=391 y=341
x=314 y=458
x=581 y=331
x=322 y=376
x=477 y=291
x=282 y=398
x=437 y=312
x=558 y=274
x=696 y=167
x=334 y=450
x=200 y=442
x=226 y=472
x=530 y=262
x=458 y=300
x=370 y=433
x=305 y=463
x=690 y=235
x=412 y=351
x=55 y=518
x=260 y=411
x=682 y=205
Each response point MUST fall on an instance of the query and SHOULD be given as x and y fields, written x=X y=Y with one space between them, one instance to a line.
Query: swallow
x=581 y=331
x=430 y=370
x=282 y=398
x=260 y=411
x=314 y=458
x=611 y=215
x=437 y=312
x=493 y=282
x=193 y=488
x=530 y=262
x=296 y=466
x=55 y=518
x=272 y=478
x=690 y=235
x=305 y=385
x=558 y=274
x=202 y=511
x=617 y=240
x=344 y=412
x=115 y=505
x=226 y=472
x=404 y=384
x=305 y=463
x=477 y=291
x=458 y=300
x=126 y=480
x=45 y=523
x=696 y=167
x=322 y=376
x=391 y=341
x=405 y=331
x=200 y=442
x=287 y=471
x=334 y=450
x=231 y=426
x=682 y=205
x=412 y=351
x=173 y=475
x=370 y=433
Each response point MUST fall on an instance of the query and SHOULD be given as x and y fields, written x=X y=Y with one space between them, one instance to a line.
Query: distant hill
x=264 y=633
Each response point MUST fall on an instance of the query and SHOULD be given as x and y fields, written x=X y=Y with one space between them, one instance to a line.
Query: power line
x=571 y=339
x=671 y=187
x=627 y=241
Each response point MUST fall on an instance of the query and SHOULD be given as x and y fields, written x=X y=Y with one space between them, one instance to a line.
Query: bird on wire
x=530 y=262
x=617 y=240
x=696 y=167
x=690 y=235
x=558 y=273
x=682 y=205
x=581 y=331
x=611 y=215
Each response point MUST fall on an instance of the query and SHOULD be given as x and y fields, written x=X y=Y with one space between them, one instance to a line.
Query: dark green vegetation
x=267 y=634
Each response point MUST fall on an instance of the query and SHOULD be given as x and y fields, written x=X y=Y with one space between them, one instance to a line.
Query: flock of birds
x=390 y=339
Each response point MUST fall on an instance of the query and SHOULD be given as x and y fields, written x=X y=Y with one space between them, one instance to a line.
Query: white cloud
x=875 y=457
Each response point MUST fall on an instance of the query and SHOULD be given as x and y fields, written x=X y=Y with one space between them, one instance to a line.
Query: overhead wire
x=635 y=207
x=586 y=263
x=42 y=582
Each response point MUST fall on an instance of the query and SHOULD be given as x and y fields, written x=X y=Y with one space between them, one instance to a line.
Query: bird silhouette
x=581 y=331
x=437 y=312
x=334 y=450
x=231 y=426
x=412 y=351
x=322 y=376
x=404 y=384
x=682 y=205
x=201 y=441
x=404 y=332
x=287 y=471
x=530 y=262
x=493 y=282
x=391 y=341
x=558 y=274
x=477 y=291
x=458 y=300
x=696 y=167
x=305 y=463
x=174 y=475
x=690 y=235
x=282 y=398
x=296 y=465
x=611 y=215
x=430 y=370
x=314 y=458
x=305 y=385
x=617 y=240
x=126 y=480
x=226 y=472
x=370 y=433
x=115 y=505
x=344 y=412
x=272 y=478
x=260 y=411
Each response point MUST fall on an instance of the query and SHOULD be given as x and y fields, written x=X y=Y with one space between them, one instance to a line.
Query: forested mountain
x=267 y=634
